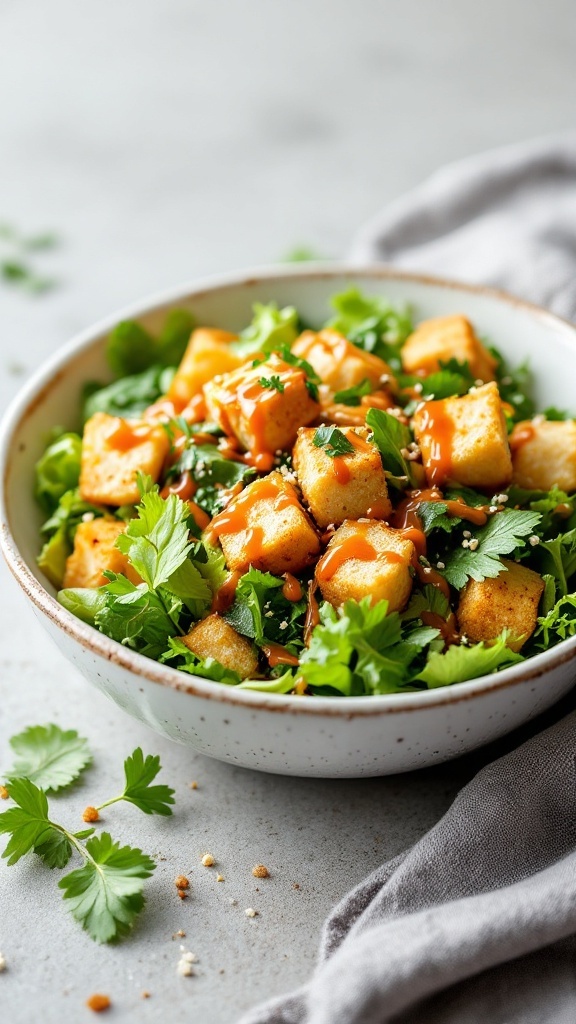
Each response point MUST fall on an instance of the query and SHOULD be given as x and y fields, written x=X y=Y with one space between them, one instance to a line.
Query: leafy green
x=261 y=612
x=434 y=516
x=48 y=756
x=357 y=649
x=429 y=599
x=58 y=470
x=312 y=378
x=558 y=623
x=157 y=541
x=460 y=663
x=333 y=441
x=273 y=383
x=555 y=506
x=208 y=668
x=128 y=396
x=131 y=349
x=352 y=396
x=30 y=828
x=60 y=529
x=392 y=438
x=371 y=323
x=556 y=415
x=140 y=772
x=557 y=557
x=453 y=378
x=83 y=602
x=515 y=387
x=106 y=893
x=136 y=616
x=502 y=534
x=212 y=472
x=271 y=328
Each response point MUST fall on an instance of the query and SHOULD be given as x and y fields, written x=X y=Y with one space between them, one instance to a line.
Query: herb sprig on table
x=105 y=894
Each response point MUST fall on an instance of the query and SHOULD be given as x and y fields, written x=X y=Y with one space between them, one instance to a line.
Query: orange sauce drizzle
x=341 y=470
x=312 y=618
x=448 y=627
x=439 y=427
x=356 y=547
x=278 y=655
x=225 y=595
x=124 y=435
x=522 y=433
x=235 y=518
x=292 y=589
x=184 y=487
x=379 y=509
x=339 y=464
x=406 y=514
x=426 y=574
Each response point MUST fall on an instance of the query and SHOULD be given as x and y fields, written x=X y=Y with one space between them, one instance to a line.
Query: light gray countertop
x=164 y=142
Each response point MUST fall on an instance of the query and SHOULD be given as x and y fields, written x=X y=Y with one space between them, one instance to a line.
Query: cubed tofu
x=266 y=527
x=338 y=362
x=544 y=454
x=344 y=487
x=510 y=601
x=95 y=551
x=263 y=416
x=214 y=638
x=366 y=559
x=207 y=355
x=464 y=440
x=113 y=450
x=444 y=338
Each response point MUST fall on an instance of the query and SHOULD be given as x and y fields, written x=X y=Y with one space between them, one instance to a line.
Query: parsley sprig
x=503 y=533
x=272 y=383
x=333 y=441
x=139 y=773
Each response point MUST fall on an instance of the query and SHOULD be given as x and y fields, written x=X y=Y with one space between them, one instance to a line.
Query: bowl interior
x=521 y=332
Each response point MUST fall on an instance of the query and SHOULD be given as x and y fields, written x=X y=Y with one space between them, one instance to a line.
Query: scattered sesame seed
x=260 y=871
x=502 y=499
x=181 y=882
x=466 y=533
x=4 y=794
x=87 y=517
x=268 y=615
x=283 y=624
x=3 y=964
x=418 y=388
x=91 y=814
x=193 y=785
x=184 y=969
x=537 y=420
x=473 y=544
x=493 y=508
x=220 y=878
x=384 y=378
x=208 y=860
x=440 y=565
x=250 y=912
x=478 y=383
x=465 y=543
x=98 y=1002
x=533 y=540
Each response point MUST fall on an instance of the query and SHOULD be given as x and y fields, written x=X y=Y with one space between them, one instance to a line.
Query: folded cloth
x=505 y=218
x=477 y=922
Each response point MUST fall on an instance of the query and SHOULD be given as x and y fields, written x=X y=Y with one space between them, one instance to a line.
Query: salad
x=370 y=506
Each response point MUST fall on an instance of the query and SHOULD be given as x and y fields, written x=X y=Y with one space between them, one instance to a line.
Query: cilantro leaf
x=434 y=516
x=273 y=383
x=58 y=470
x=157 y=541
x=502 y=534
x=333 y=441
x=261 y=612
x=270 y=329
x=461 y=663
x=312 y=378
x=371 y=323
x=128 y=396
x=352 y=396
x=140 y=772
x=105 y=895
x=135 y=616
x=48 y=756
x=212 y=472
x=29 y=826
x=392 y=438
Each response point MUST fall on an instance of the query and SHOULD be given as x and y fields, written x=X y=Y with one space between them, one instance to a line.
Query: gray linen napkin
x=477 y=922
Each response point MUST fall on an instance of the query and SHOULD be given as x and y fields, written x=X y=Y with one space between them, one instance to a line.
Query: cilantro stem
x=108 y=803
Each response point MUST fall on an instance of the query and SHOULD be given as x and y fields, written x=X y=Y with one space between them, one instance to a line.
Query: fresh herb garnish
x=131 y=349
x=128 y=396
x=459 y=663
x=273 y=383
x=393 y=439
x=371 y=323
x=333 y=441
x=140 y=773
x=503 y=533
x=48 y=756
x=352 y=396
x=271 y=328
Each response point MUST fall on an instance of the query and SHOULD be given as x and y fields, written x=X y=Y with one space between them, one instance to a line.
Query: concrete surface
x=164 y=141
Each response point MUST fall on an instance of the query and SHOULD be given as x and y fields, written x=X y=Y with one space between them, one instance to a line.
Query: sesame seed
x=87 y=517
x=189 y=958
x=233 y=902
x=465 y=543
x=250 y=912
x=440 y=565
x=219 y=878
x=537 y=420
x=208 y=860
x=493 y=508
x=502 y=499
x=418 y=388
x=268 y=615
x=473 y=544
x=283 y=624
x=466 y=533
x=184 y=969
x=533 y=540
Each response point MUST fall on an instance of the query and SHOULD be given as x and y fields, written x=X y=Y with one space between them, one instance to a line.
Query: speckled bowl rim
x=90 y=639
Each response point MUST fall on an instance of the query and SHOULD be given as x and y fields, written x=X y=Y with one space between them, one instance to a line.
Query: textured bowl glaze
x=291 y=735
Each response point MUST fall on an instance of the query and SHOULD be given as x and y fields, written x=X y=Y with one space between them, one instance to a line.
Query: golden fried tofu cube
x=346 y=486
x=444 y=338
x=464 y=440
x=338 y=362
x=214 y=638
x=207 y=355
x=95 y=551
x=262 y=405
x=510 y=601
x=544 y=454
x=267 y=528
x=113 y=450
x=366 y=559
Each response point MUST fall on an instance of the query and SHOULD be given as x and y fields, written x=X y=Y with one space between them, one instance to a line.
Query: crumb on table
x=193 y=785
x=260 y=871
x=220 y=878
x=98 y=1002
x=4 y=794
x=250 y=912
x=208 y=860
x=91 y=814
x=181 y=882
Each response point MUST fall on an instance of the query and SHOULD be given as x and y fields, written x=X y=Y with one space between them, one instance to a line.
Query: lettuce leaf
x=460 y=663
x=372 y=323
x=131 y=349
x=270 y=329
x=58 y=470
x=128 y=396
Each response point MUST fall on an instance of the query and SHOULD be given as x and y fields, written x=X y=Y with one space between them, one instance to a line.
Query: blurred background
x=164 y=141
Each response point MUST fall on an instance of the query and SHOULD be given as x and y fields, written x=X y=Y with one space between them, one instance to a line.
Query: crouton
x=464 y=440
x=344 y=487
x=207 y=355
x=113 y=450
x=510 y=601
x=338 y=362
x=262 y=406
x=544 y=454
x=266 y=527
x=366 y=559
x=95 y=551
x=444 y=338
x=214 y=638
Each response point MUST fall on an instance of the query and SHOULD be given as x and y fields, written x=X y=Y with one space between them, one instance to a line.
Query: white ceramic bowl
x=316 y=736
